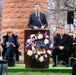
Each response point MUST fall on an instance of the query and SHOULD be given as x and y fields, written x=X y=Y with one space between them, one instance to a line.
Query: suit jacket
x=65 y=41
x=33 y=20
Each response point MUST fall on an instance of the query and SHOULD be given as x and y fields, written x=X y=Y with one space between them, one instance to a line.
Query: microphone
x=40 y=20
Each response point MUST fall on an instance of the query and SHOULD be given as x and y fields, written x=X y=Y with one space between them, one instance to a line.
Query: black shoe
x=11 y=65
x=54 y=65
x=63 y=63
x=67 y=65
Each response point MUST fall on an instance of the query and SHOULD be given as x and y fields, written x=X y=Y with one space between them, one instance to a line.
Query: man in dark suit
x=61 y=45
x=37 y=19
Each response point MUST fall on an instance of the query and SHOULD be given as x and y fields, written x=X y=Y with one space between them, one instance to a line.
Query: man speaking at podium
x=37 y=19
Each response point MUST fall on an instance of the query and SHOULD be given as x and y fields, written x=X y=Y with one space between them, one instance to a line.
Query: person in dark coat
x=74 y=51
x=37 y=19
x=61 y=45
x=73 y=42
x=10 y=45
x=74 y=68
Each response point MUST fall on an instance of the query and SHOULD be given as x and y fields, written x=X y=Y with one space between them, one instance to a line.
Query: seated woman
x=10 y=46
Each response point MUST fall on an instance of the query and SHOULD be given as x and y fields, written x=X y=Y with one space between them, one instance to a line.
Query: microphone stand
x=40 y=21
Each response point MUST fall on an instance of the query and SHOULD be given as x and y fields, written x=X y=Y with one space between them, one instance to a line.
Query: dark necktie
x=38 y=18
x=37 y=15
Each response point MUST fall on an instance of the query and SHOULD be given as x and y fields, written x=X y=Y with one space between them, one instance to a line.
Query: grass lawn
x=37 y=73
x=20 y=69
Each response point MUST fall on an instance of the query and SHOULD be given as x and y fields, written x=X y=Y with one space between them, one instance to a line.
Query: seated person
x=61 y=45
x=10 y=46
x=73 y=49
x=74 y=54
x=74 y=38
x=74 y=68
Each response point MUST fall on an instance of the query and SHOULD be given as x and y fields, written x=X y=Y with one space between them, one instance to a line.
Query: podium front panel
x=27 y=60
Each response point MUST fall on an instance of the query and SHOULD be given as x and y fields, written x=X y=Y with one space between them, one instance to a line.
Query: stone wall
x=0 y=17
x=15 y=15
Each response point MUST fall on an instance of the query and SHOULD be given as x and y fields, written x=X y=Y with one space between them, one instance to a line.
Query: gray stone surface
x=0 y=16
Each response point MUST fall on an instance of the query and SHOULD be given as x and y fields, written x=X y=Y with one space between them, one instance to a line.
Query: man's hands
x=42 y=27
x=36 y=27
x=61 y=47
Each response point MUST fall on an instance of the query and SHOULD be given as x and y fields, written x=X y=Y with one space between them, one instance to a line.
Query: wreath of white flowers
x=38 y=46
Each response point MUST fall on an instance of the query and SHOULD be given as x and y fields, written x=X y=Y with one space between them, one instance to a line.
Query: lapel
x=60 y=38
x=40 y=16
x=34 y=15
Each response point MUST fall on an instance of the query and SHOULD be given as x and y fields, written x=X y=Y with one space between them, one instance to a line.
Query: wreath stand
x=30 y=62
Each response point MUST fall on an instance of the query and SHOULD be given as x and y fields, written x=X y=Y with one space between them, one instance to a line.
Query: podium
x=29 y=62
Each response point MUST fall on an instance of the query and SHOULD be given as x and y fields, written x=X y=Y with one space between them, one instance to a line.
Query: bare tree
x=57 y=13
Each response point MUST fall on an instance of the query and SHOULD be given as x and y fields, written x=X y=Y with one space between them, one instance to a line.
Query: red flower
x=51 y=48
x=48 y=38
x=38 y=56
x=33 y=41
x=46 y=49
x=43 y=35
x=29 y=47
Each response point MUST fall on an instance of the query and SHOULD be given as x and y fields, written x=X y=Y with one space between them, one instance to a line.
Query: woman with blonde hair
x=10 y=46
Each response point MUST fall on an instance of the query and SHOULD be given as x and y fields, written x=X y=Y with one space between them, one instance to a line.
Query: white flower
x=40 y=36
x=29 y=52
x=28 y=40
x=45 y=55
x=36 y=56
x=38 y=52
x=49 y=52
x=33 y=48
x=33 y=36
x=51 y=46
x=47 y=36
x=46 y=41
x=41 y=59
